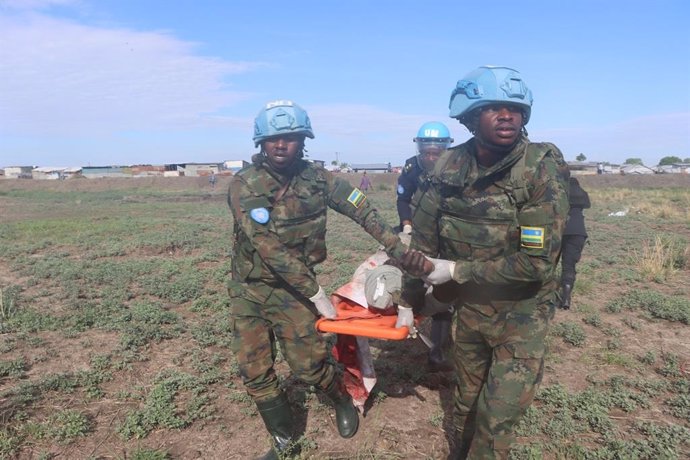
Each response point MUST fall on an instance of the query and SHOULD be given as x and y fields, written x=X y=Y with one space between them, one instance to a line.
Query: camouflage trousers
x=499 y=361
x=263 y=314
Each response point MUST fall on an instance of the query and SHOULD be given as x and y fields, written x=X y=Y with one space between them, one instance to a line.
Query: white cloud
x=58 y=77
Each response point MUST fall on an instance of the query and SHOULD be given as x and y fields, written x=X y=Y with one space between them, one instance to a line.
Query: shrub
x=571 y=333
x=657 y=305
x=64 y=427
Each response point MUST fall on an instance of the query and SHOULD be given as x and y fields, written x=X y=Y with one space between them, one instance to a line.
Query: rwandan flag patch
x=532 y=237
x=356 y=198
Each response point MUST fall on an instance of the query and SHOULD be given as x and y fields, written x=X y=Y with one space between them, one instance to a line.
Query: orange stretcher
x=356 y=320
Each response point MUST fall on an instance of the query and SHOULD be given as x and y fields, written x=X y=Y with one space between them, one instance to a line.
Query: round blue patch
x=401 y=189
x=260 y=215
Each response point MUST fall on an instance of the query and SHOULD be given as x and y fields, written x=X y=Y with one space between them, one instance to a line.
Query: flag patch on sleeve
x=532 y=237
x=356 y=198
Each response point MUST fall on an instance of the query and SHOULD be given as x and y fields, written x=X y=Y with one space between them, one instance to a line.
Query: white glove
x=323 y=304
x=442 y=273
x=406 y=318
x=406 y=235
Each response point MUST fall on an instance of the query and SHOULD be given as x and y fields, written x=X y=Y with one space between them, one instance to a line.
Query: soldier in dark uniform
x=574 y=239
x=279 y=205
x=432 y=139
x=491 y=223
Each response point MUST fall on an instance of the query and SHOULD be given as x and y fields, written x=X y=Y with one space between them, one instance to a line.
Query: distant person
x=365 y=183
x=600 y=168
x=574 y=238
x=432 y=139
x=279 y=206
x=212 y=180
x=491 y=223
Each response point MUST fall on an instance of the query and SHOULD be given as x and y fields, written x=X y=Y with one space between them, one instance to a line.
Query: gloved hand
x=442 y=273
x=323 y=304
x=406 y=318
x=406 y=235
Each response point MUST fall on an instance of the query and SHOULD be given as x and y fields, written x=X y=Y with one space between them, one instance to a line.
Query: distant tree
x=633 y=161
x=687 y=160
x=334 y=163
x=581 y=157
x=344 y=165
x=669 y=161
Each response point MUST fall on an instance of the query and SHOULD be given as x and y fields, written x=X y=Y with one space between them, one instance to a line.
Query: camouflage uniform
x=279 y=237
x=502 y=225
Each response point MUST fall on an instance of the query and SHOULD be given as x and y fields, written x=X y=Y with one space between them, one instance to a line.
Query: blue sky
x=99 y=82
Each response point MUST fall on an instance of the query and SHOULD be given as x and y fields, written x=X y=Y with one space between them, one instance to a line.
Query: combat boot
x=278 y=419
x=440 y=339
x=565 y=296
x=345 y=412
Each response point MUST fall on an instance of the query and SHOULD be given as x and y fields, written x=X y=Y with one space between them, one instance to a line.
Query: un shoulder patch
x=356 y=198
x=259 y=215
x=532 y=237
x=401 y=189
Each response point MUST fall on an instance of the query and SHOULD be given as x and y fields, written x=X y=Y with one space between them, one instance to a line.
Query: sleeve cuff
x=462 y=272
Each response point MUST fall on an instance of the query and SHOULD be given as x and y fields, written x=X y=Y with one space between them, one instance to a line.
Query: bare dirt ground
x=409 y=418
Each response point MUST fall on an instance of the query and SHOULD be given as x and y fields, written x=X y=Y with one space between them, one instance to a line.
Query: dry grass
x=660 y=260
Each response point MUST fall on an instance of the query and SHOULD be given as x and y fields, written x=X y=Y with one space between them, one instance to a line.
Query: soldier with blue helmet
x=432 y=139
x=279 y=205
x=492 y=223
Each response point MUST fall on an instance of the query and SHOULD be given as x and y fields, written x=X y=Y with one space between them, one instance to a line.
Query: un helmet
x=281 y=117
x=488 y=85
x=433 y=131
x=432 y=138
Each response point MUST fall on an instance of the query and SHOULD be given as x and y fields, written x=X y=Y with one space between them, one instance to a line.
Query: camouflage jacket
x=280 y=222
x=502 y=225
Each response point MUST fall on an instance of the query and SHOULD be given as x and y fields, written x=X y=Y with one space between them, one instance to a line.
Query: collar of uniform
x=460 y=167
x=506 y=163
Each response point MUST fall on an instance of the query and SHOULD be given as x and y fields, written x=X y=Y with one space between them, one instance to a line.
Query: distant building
x=636 y=169
x=72 y=172
x=147 y=170
x=94 y=172
x=372 y=167
x=583 y=168
x=675 y=168
x=198 y=169
x=18 y=172
x=234 y=165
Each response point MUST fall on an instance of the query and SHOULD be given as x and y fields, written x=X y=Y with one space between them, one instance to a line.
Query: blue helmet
x=488 y=85
x=433 y=130
x=281 y=117
x=432 y=138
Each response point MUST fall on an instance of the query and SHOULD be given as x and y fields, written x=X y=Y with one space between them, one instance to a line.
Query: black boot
x=440 y=339
x=278 y=419
x=565 y=296
x=345 y=412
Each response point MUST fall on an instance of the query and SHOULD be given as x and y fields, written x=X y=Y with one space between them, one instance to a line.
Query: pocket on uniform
x=475 y=237
x=527 y=350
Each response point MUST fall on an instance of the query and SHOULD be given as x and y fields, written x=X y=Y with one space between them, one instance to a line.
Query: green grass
x=127 y=276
